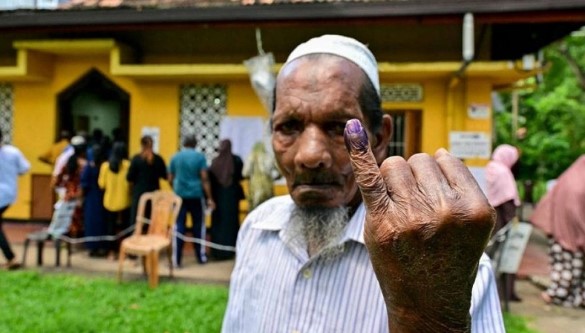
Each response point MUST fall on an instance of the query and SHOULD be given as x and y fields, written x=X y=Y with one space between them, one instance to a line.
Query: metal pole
x=514 y=115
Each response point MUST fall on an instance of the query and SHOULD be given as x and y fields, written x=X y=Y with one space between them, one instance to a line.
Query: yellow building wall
x=156 y=103
x=479 y=92
x=444 y=109
x=152 y=104
x=433 y=114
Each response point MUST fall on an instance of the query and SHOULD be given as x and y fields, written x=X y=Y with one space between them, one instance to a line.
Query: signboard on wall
x=470 y=144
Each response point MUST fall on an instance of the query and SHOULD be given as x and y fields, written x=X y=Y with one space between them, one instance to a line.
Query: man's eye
x=289 y=127
x=336 y=128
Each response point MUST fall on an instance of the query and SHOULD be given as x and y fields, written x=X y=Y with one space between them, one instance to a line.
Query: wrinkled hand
x=427 y=224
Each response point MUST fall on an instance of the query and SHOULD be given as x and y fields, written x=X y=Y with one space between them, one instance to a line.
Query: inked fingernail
x=355 y=136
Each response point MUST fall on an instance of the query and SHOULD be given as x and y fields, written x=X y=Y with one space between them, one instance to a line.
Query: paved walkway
x=544 y=318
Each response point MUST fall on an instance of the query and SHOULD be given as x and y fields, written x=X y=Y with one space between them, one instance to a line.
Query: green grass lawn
x=32 y=302
x=516 y=324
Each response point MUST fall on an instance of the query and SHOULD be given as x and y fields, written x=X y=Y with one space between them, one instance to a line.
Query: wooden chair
x=165 y=207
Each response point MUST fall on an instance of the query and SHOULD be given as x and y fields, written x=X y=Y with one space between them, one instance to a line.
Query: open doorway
x=406 y=133
x=94 y=103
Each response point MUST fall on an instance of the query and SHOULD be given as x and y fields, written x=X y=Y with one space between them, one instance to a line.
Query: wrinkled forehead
x=320 y=69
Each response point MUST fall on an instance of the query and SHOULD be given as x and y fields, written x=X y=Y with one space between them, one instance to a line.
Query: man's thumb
x=365 y=169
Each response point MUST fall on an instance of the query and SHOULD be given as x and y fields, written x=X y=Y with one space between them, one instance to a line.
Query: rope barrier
x=131 y=228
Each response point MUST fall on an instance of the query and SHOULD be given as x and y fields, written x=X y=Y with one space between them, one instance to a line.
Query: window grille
x=401 y=92
x=202 y=107
x=6 y=106
x=398 y=144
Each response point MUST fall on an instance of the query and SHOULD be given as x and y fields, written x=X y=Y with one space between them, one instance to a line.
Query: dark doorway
x=406 y=133
x=94 y=102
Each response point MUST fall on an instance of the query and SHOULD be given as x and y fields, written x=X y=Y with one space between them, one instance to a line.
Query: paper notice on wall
x=478 y=111
x=470 y=145
x=154 y=133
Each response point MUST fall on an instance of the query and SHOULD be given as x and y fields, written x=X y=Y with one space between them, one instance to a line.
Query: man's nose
x=313 y=149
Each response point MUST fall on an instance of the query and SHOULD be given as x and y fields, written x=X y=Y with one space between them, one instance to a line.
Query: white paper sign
x=154 y=133
x=478 y=111
x=514 y=247
x=470 y=144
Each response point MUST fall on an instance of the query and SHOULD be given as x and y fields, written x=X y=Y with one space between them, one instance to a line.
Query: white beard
x=321 y=228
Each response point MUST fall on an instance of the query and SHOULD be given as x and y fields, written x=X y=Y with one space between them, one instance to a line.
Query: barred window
x=202 y=107
x=396 y=146
x=406 y=135
x=6 y=111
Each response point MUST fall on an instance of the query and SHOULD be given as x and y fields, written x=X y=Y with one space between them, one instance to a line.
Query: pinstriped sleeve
x=486 y=312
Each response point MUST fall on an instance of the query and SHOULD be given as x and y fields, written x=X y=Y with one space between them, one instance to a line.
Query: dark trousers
x=194 y=207
x=3 y=241
x=115 y=223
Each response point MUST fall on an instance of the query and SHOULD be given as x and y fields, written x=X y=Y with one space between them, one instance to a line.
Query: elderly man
x=362 y=243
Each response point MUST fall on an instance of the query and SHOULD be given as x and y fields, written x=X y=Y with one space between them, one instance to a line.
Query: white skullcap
x=341 y=46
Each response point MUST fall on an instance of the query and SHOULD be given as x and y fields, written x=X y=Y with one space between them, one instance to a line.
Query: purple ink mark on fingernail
x=355 y=136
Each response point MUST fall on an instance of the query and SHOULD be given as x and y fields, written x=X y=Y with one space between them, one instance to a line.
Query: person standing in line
x=259 y=169
x=189 y=179
x=12 y=164
x=502 y=194
x=561 y=215
x=116 y=188
x=225 y=174
x=146 y=170
x=93 y=202
x=69 y=179
x=50 y=156
x=62 y=159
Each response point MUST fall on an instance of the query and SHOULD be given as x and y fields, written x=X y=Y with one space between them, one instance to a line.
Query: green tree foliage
x=553 y=113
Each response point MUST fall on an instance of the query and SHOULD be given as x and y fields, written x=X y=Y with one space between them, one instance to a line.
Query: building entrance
x=95 y=103
x=91 y=103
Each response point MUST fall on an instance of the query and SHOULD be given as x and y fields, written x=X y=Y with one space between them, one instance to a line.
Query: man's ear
x=383 y=137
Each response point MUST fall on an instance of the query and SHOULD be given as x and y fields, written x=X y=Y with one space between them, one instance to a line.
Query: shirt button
x=307 y=273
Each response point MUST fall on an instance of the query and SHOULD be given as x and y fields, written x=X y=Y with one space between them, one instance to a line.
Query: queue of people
x=98 y=189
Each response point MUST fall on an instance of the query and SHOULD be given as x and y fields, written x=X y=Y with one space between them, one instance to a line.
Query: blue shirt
x=12 y=164
x=276 y=287
x=186 y=167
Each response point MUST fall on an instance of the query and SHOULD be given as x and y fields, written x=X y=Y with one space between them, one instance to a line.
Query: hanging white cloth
x=243 y=132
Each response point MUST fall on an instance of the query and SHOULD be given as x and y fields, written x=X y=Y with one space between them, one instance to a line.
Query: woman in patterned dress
x=561 y=214
x=70 y=179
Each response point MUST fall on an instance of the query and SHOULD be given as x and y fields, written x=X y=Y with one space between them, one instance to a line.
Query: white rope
x=121 y=234
x=204 y=242
x=90 y=239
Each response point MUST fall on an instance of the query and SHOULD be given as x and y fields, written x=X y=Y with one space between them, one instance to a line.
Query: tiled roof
x=69 y=13
x=69 y=4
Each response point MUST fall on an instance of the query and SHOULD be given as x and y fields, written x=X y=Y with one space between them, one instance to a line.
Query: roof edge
x=537 y=11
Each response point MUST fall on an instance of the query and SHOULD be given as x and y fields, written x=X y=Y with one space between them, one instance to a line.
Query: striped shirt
x=276 y=287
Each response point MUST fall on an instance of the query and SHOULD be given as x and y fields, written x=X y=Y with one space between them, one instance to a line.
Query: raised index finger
x=365 y=169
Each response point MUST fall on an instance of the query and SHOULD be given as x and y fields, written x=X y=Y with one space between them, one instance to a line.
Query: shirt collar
x=354 y=230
